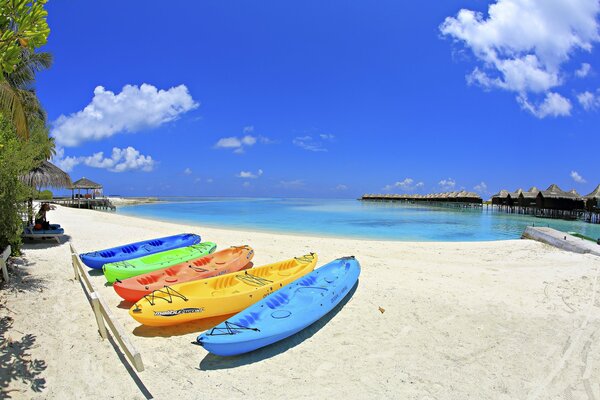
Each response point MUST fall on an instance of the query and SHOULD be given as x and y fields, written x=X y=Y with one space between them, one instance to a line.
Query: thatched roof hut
x=87 y=185
x=528 y=198
x=500 y=197
x=592 y=200
x=557 y=199
x=46 y=175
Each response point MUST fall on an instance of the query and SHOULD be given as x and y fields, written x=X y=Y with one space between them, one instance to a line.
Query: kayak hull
x=221 y=295
x=97 y=259
x=282 y=314
x=219 y=263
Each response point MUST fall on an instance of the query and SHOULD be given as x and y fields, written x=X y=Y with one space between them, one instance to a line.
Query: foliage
x=44 y=195
x=17 y=94
x=17 y=157
x=22 y=26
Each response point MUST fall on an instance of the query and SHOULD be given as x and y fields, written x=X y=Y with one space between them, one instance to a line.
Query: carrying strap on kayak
x=306 y=257
x=244 y=246
x=197 y=269
x=253 y=279
x=229 y=329
x=168 y=291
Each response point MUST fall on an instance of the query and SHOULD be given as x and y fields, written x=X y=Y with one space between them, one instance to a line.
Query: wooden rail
x=103 y=314
x=3 y=257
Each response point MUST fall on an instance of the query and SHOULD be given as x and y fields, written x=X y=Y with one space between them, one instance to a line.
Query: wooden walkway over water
x=91 y=204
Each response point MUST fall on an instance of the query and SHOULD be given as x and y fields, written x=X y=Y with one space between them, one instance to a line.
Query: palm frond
x=11 y=105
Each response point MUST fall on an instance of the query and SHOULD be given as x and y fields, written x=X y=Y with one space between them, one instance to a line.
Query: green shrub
x=44 y=195
x=17 y=157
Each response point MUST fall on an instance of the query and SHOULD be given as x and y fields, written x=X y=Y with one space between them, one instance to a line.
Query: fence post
x=3 y=257
x=98 y=314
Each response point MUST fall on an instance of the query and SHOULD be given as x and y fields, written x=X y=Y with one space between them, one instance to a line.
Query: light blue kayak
x=285 y=312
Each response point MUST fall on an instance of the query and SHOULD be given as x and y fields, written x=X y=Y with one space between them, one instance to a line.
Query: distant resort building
x=462 y=198
x=550 y=203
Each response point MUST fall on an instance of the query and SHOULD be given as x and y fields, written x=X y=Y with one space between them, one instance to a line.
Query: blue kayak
x=97 y=259
x=285 y=312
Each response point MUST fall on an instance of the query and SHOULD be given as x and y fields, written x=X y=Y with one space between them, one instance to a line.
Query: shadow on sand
x=213 y=362
x=44 y=243
x=96 y=272
x=20 y=278
x=181 y=329
x=15 y=362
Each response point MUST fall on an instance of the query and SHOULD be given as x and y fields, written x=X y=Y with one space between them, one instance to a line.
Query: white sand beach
x=490 y=320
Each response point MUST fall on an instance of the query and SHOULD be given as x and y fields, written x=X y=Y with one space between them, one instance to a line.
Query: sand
x=490 y=320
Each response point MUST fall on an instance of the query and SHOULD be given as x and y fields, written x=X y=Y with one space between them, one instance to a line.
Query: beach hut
x=592 y=200
x=87 y=185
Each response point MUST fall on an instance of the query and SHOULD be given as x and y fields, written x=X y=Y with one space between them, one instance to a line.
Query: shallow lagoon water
x=350 y=218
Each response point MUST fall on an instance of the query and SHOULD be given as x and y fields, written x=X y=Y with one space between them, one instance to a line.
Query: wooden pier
x=88 y=203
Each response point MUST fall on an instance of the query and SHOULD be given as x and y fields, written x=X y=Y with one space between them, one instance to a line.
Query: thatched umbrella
x=44 y=175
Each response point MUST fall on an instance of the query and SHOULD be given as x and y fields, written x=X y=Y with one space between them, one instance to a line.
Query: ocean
x=350 y=218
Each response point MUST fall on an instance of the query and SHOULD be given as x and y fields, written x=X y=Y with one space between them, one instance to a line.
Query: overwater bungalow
x=500 y=198
x=528 y=198
x=466 y=199
x=592 y=200
x=554 y=198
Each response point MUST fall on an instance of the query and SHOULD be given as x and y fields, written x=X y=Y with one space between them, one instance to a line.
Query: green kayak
x=126 y=269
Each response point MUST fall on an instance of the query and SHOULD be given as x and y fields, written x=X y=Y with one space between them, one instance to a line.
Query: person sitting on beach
x=40 y=217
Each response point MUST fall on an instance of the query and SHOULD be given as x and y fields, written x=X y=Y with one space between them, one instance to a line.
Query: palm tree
x=18 y=100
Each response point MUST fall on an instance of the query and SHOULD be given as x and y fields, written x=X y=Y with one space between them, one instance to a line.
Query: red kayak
x=221 y=262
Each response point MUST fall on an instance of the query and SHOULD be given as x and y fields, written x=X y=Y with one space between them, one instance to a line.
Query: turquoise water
x=350 y=218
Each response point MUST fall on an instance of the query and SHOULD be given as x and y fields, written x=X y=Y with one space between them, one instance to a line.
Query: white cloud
x=311 y=144
x=553 y=105
x=132 y=110
x=120 y=160
x=209 y=180
x=584 y=70
x=481 y=188
x=447 y=184
x=246 y=184
x=341 y=187
x=588 y=100
x=293 y=184
x=522 y=44
x=249 y=175
x=65 y=163
x=407 y=184
x=187 y=171
x=577 y=178
x=239 y=144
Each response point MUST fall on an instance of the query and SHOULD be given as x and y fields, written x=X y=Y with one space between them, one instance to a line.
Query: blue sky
x=307 y=99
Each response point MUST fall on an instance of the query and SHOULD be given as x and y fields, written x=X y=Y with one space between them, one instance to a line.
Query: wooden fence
x=103 y=314
x=3 y=257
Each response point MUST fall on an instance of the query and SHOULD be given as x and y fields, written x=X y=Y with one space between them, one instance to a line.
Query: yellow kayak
x=220 y=295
